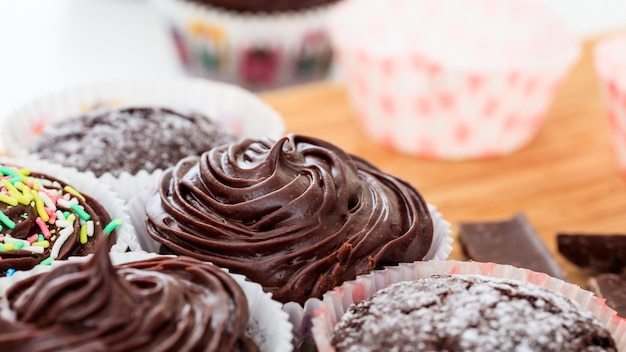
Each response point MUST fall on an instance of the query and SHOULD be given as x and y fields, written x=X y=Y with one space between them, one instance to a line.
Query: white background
x=47 y=45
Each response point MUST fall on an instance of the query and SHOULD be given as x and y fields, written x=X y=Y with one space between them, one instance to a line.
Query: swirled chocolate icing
x=29 y=237
x=164 y=304
x=298 y=216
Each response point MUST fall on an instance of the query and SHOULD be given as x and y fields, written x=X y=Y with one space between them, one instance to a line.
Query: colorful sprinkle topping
x=112 y=226
x=58 y=211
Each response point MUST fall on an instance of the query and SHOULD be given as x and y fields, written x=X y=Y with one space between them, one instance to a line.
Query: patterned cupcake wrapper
x=126 y=238
x=237 y=109
x=301 y=316
x=256 y=51
x=442 y=85
x=335 y=303
x=268 y=326
x=610 y=64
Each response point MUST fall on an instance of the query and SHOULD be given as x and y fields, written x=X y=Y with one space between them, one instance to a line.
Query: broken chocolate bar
x=605 y=253
x=512 y=242
x=611 y=287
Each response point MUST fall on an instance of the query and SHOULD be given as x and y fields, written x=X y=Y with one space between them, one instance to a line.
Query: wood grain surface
x=566 y=179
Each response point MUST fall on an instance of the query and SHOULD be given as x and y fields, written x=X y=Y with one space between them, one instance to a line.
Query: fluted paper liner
x=451 y=79
x=258 y=51
x=610 y=64
x=237 y=109
x=126 y=238
x=335 y=303
x=268 y=325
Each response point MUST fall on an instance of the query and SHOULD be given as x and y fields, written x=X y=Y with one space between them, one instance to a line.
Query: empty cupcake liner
x=448 y=79
x=335 y=303
x=610 y=64
x=126 y=238
x=239 y=110
x=256 y=51
x=268 y=325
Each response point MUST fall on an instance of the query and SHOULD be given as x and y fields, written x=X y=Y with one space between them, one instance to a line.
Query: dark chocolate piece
x=611 y=287
x=605 y=253
x=512 y=242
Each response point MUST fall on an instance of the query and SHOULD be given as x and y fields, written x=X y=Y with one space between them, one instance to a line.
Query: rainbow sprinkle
x=112 y=226
x=57 y=209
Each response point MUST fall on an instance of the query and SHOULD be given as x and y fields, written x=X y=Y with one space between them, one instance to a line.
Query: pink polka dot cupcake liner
x=448 y=79
x=258 y=51
x=335 y=303
x=235 y=108
x=610 y=63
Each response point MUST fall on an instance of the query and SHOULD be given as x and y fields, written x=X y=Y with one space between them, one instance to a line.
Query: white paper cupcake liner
x=237 y=109
x=610 y=64
x=126 y=238
x=256 y=51
x=443 y=79
x=268 y=326
x=336 y=303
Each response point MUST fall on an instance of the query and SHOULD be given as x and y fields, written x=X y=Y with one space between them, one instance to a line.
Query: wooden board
x=566 y=179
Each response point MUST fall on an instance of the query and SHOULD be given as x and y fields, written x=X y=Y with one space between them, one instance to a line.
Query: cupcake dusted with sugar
x=44 y=219
x=129 y=139
x=299 y=216
x=469 y=313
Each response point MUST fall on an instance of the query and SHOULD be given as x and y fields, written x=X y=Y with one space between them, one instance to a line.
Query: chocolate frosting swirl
x=298 y=216
x=164 y=304
x=24 y=216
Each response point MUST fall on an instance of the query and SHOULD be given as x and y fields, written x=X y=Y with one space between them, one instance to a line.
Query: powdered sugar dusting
x=469 y=313
x=129 y=139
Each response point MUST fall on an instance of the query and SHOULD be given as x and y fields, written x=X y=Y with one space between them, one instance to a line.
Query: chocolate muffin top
x=469 y=313
x=299 y=216
x=265 y=6
x=128 y=139
x=164 y=304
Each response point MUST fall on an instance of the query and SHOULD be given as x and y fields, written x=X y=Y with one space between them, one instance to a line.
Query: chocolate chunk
x=611 y=287
x=605 y=253
x=513 y=242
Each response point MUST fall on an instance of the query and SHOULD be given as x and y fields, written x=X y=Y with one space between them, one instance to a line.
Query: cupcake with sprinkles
x=49 y=213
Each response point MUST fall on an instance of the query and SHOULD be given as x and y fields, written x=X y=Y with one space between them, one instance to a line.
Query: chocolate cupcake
x=299 y=216
x=258 y=45
x=43 y=218
x=126 y=133
x=164 y=303
x=464 y=306
x=469 y=313
x=134 y=138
